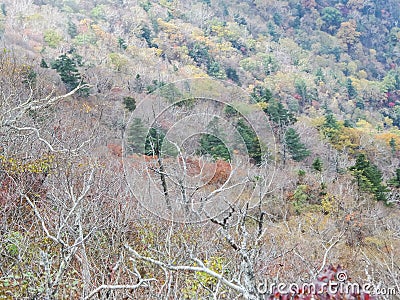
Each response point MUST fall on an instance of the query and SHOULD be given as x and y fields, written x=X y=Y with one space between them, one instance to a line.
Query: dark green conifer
x=43 y=64
x=130 y=103
x=296 y=148
x=67 y=68
x=369 y=177
x=317 y=164
x=211 y=143
x=351 y=91
x=251 y=140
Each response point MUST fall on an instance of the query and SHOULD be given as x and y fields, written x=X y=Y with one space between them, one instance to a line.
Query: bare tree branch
x=202 y=268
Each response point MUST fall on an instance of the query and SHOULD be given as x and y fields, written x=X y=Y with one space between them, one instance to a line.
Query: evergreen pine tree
x=330 y=126
x=396 y=180
x=138 y=84
x=251 y=140
x=369 y=177
x=72 y=29
x=154 y=141
x=136 y=137
x=149 y=142
x=199 y=53
x=230 y=111
x=331 y=122
x=43 y=64
x=67 y=68
x=351 y=91
x=29 y=76
x=279 y=114
x=317 y=164
x=392 y=144
x=348 y=123
x=301 y=89
x=261 y=94
x=211 y=144
x=360 y=171
x=3 y=9
x=122 y=44
x=296 y=148
x=214 y=69
x=146 y=34
x=157 y=145
x=232 y=75
x=398 y=177
x=319 y=76
x=130 y=103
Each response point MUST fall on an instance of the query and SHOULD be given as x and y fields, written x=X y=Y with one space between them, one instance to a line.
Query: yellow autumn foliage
x=18 y=166
x=347 y=139
x=388 y=136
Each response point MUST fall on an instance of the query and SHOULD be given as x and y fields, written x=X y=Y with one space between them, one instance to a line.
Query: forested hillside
x=199 y=149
